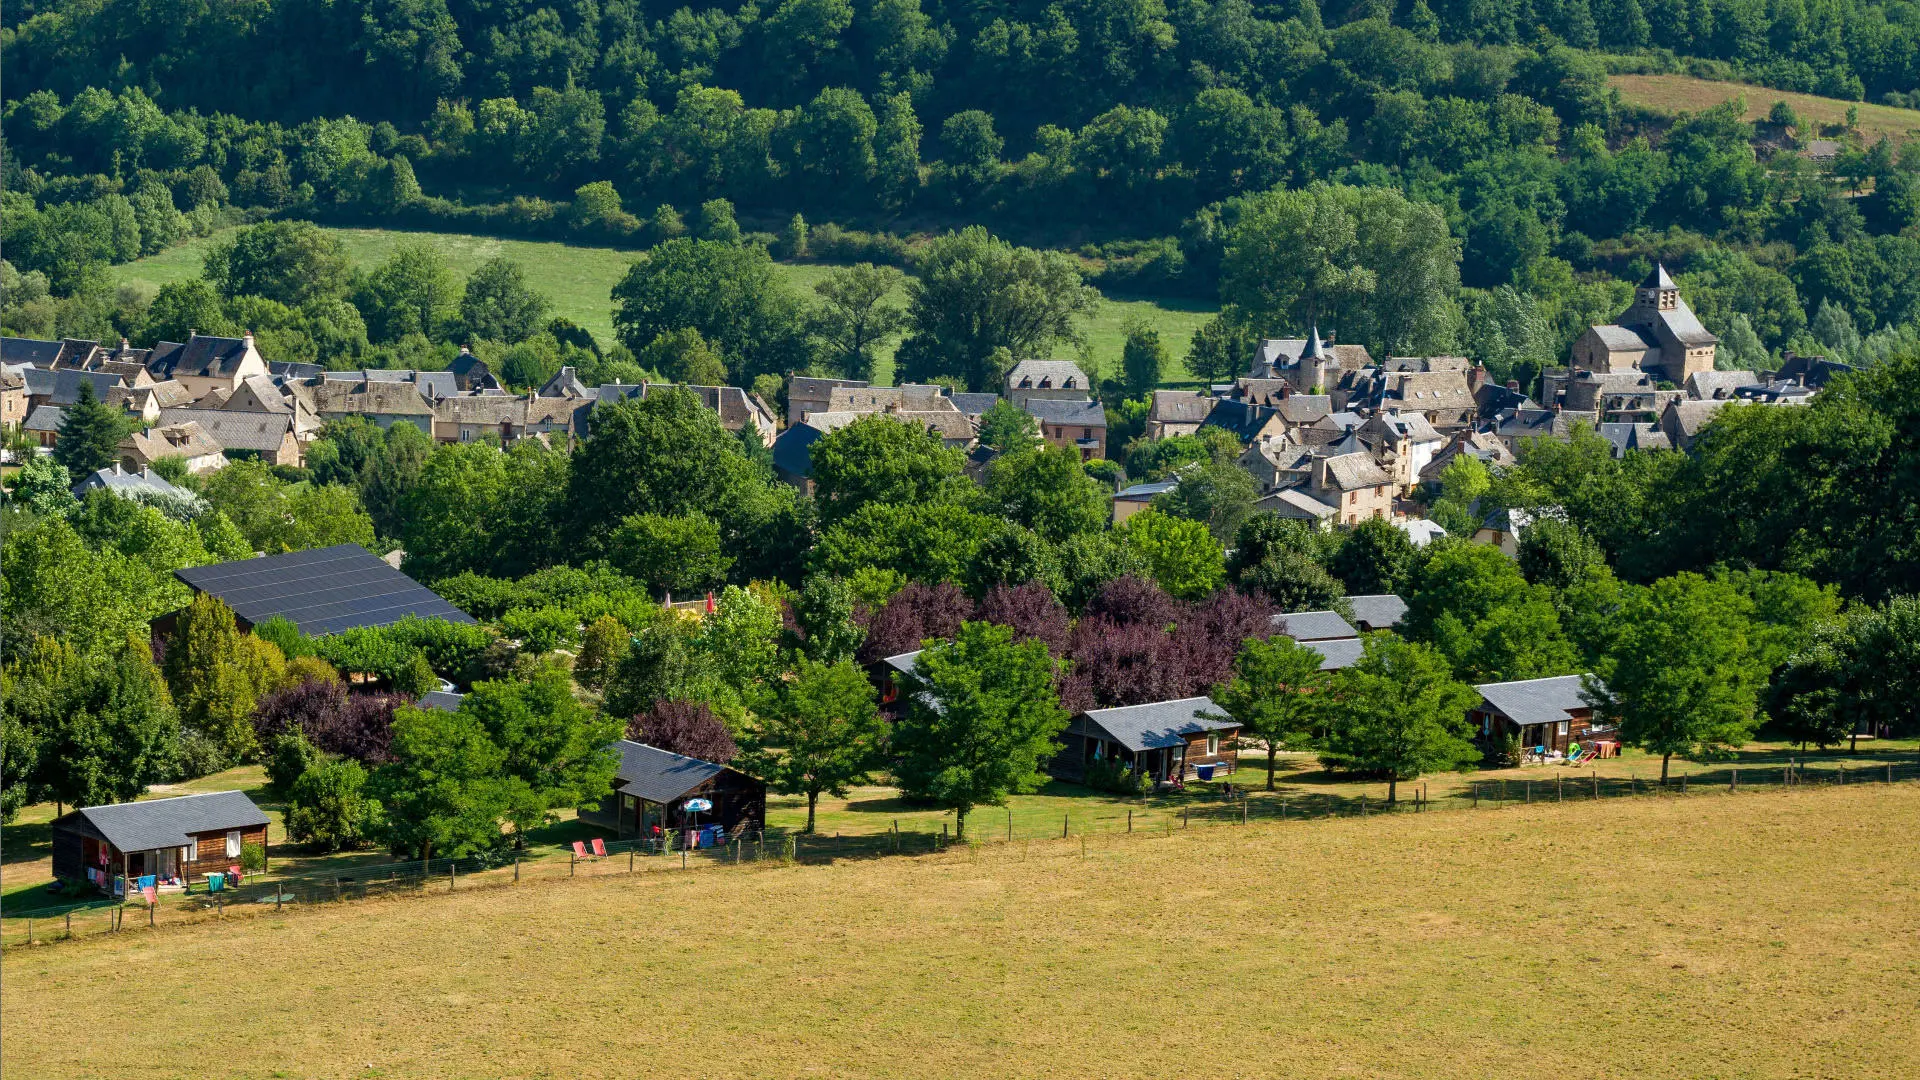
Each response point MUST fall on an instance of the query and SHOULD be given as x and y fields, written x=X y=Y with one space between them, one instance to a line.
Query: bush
x=540 y=630
x=330 y=809
x=289 y=757
x=1112 y=774
x=831 y=243
x=197 y=754
x=286 y=635
x=253 y=857
x=1509 y=754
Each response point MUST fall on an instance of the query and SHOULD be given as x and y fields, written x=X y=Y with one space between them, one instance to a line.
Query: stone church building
x=1659 y=334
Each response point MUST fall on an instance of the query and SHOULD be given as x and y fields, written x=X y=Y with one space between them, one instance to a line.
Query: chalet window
x=233 y=843
x=1213 y=743
x=1086 y=433
x=193 y=849
x=1563 y=727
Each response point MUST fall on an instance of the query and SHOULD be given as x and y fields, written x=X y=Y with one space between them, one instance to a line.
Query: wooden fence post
x=1476 y=795
x=1243 y=811
x=1129 y=820
x=1559 y=788
x=1733 y=784
x=1683 y=783
x=1889 y=772
x=1529 y=793
x=1283 y=805
x=450 y=875
x=1596 y=784
x=516 y=869
x=573 y=863
x=29 y=931
x=1063 y=826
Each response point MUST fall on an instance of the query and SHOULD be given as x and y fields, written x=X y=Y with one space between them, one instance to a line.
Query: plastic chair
x=580 y=850
x=233 y=874
x=599 y=849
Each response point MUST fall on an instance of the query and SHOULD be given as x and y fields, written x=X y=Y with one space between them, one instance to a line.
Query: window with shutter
x=233 y=844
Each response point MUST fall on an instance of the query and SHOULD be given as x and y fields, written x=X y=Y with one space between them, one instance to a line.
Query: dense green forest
x=1146 y=137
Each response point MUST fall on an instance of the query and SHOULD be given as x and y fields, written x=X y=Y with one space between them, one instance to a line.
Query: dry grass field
x=1755 y=935
x=1676 y=93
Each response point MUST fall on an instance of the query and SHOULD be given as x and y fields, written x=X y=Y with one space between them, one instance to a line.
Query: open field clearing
x=1764 y=934
x=579 y=280
x=1675 y=93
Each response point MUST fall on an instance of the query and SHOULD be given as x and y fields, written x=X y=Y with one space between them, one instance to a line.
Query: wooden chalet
x=1548 y=715
x=1171 y=741
x=651 y=787
x=172 y=840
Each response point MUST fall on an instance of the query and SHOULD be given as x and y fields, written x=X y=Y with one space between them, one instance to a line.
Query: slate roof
x=1313 y=626
x=30 y=351
x=972 y=405
x=1300 y=501
x=186 y=439
x=1351 y=472
x=62 y=387
x=565 y=384
x=322 y=590
x=293 y=369
x=792 y=450
x=1239 y=418
x=45 y=418
x=809 y=387
x=202 y=355
x=1158 y=724
x=369 y=397
x=1685 y=326
x=1658 y=278
x=1624 y=338
x=442 y=700
x=1535 y=701
x=1056 y=374
x=1179 y=406
x=1377 y=611
x=262 y=432
x=1625 y=437
x=1082 y=413
x=1691 y=416
x=121 y=482
x=657 y=775
x=1338 y=653
x=1304 y=408
x=906 y=663
x=1146 y=492
x=165 y=823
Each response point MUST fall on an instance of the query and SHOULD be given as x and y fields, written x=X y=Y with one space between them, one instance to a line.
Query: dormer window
x=1069 y=383
x=1046 y=382
x=1026 y=382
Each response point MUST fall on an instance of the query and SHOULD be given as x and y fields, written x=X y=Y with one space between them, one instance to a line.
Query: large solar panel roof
x=322 y=590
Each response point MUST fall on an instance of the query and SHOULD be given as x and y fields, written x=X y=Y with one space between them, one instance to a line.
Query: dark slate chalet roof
x=657 y=775
x=33 y=351
x=1243 y=420
x=1313 y=626
x=1535 y=701
x=62 y=386
x=1082 y=413
x=793 y=449
x=203 y=355
x=1158 y=724
x=165 y=823
x=323 y=590
x=1378 y=611
x=1338 y=653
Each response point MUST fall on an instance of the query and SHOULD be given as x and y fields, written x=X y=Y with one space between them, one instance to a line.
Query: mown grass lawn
x=580 y=280
x=1767 y=934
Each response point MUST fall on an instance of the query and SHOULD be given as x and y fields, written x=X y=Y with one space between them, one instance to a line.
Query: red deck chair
x=580 y=850
x=233 y=875
x=599 y=849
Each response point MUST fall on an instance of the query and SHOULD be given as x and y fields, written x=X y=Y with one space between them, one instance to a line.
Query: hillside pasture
x=1755 y=935
x=1684 y=93
x=579 y=280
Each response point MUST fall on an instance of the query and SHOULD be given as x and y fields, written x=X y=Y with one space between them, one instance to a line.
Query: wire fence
x=96 y=917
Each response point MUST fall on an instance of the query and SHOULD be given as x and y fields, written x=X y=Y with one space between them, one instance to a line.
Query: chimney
x=1286 y=390
x=1513 y=385
x=248 y=338
x=123 y=344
